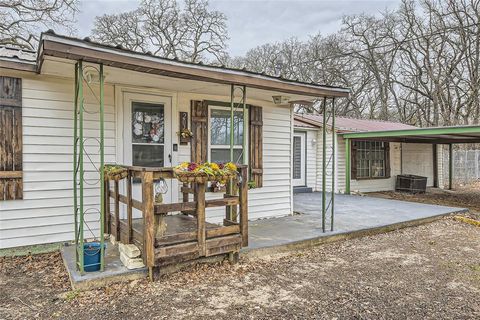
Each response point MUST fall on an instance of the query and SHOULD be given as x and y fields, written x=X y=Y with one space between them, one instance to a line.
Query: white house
x=37 y=108
x=374 y=164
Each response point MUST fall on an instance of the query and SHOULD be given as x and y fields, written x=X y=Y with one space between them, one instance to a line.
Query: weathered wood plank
x=11 y=174
x=148 y=219
x=223 y=231
x=129 y=208
x=201 y=234
x=173 y=207
x=108 y=228
x=223 y=244
x=243 y=207
x=229 y=201
x=176 y=250
x=176 y=238
x=117 y=210
x=11 y=139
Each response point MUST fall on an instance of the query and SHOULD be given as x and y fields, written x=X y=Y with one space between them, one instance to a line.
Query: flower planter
x=115 y=173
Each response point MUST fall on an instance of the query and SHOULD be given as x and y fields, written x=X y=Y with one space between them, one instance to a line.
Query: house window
x=371 y=159
x=219 y=135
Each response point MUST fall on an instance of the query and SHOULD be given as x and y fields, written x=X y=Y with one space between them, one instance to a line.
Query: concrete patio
x=354 y=216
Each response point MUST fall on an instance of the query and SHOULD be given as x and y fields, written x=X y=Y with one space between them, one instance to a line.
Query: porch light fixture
x=280 y=100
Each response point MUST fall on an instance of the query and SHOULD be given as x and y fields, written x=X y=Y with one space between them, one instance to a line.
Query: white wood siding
x=330 y=158
x=370 y=185
x=274 y=198
x=311 y=159
x=417 y=159
x=46 y=212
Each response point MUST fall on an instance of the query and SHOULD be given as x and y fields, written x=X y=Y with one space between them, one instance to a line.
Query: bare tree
x=419 y=64
x=20 y=20
x=192 y=32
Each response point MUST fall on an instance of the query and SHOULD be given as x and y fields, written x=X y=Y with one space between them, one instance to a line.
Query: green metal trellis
x=80 y=154
x=331 y=203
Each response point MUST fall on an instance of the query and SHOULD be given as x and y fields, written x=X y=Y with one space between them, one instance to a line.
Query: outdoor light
x=280 y=99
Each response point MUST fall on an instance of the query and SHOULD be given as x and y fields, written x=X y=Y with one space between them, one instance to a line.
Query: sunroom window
x=219 y=135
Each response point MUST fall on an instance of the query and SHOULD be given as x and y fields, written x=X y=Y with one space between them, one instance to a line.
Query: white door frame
x=124 y=97
x=302 y=181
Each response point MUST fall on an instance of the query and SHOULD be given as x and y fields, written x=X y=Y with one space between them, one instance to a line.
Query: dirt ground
x=427 y=272
x=462 y=196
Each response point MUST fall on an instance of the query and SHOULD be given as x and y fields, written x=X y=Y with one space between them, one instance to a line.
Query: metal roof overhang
x=438 y=135
x=76 y=49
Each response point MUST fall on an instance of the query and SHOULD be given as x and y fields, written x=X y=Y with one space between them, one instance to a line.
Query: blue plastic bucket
x=91 y=256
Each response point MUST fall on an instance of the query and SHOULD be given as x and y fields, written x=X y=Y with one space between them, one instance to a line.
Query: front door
x=299 y=159
x=147 y=136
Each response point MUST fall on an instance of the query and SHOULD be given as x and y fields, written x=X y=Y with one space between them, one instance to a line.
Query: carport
x=435 y=136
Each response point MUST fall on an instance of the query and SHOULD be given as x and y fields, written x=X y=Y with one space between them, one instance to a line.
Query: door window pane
x=147 y=123
x=148 y=134
x=147 y=155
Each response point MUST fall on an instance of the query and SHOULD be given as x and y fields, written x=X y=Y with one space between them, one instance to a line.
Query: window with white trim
x=219 y=135
x=371 y=159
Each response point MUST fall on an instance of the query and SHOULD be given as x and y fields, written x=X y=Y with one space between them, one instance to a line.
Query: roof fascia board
x=17 y=65
x=414 y=132
x=77 y=49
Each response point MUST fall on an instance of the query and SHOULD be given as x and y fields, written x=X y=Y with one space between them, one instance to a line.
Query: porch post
x=245 y=124
x=347 y=165
x=324 y=163
x=232 y=124
x=450 y=166
x=102 y=162
x=332 y=204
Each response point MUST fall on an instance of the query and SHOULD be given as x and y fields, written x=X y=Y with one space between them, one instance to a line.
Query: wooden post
x=231 y=190
x=129 y=207
x=148 y=221
x=117 y=212
x=108 y=227
x=185 y=195
x=243 y=200
x=201 y=232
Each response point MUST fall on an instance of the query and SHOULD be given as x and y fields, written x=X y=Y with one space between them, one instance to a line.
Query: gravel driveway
x=427 y=272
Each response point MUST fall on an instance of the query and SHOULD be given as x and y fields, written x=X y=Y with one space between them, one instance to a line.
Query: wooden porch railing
x=168 y=239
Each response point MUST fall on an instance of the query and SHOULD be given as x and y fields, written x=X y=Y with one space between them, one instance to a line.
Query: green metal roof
x=457 y=134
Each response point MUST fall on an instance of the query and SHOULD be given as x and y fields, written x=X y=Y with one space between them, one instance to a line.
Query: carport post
x=450 y=166
x=347 y=166
x=332 y=204
x=324 y=163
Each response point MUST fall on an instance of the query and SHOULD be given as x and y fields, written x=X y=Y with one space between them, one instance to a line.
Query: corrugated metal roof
x=18 y=54
x=353 y=125
x=300 y=124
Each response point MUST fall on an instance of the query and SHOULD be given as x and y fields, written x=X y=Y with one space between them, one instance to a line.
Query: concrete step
x=302 y=190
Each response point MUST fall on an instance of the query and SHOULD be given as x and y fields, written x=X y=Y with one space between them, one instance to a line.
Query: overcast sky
x=254 y=22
